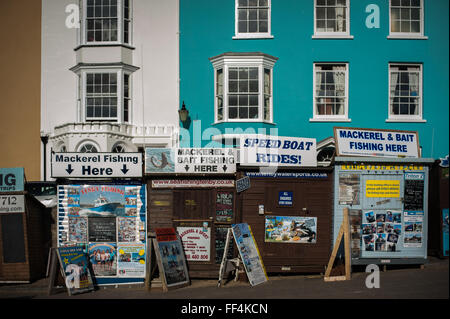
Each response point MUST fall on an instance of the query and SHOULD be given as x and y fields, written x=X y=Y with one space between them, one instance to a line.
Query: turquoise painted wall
x=207 y=28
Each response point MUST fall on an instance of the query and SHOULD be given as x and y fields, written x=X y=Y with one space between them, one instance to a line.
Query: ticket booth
x=201 y=210
x=23 y=255
x=388 y=208
x=290 y=214
x=193 y=191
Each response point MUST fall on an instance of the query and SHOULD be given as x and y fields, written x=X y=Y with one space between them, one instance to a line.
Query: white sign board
x=278 y=151
x=12 y=203
x=205 y=160
x=89 y=165
x=190 y=160
x=370 y=142
x=196 y=242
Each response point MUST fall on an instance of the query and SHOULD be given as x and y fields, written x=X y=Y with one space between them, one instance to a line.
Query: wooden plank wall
x=316 y=195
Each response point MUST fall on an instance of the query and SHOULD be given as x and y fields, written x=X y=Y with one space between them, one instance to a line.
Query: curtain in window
x=394 y=92
x=320 y=89
x=413 y=92
x=339 y=82
x=340 y=19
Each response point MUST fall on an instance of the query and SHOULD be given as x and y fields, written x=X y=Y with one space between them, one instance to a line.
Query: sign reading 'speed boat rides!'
x=374 y=142
x=89 y=165
x=278 y=151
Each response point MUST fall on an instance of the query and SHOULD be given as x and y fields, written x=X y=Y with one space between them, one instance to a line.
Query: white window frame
x=120 y=25
x=225 y=62
x=331 y=118
x=82 y=94
x=253 y=35
x=333 y=35
x=402 y=117
x=408 y=35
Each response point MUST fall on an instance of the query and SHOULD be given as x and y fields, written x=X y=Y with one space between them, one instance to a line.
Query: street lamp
x=183 y=113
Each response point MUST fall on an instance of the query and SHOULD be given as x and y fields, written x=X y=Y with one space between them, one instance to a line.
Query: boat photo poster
x=103 y=218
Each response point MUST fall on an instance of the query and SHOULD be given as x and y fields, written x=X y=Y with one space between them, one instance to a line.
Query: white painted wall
x=155 y=85
x=59 y=84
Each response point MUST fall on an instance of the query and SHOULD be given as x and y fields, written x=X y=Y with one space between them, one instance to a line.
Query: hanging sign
x=190 y=160
x=278 y=151
x=371 y=142
x=242 y=184
x=89 y=165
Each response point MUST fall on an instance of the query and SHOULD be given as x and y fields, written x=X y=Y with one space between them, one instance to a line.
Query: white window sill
x=407 y=37
x=250 y=36
x=406 y=121
x=244 y=121
x=332 y=36
x=329 y=120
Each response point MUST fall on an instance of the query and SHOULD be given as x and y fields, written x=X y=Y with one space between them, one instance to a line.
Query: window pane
x=232 y=100
x=253 y=112
x=242 y=26
x=243 y=73
x=320 y=13
x=415 y=14
x=253 y=100
x=395 y=26
x=254 y=86
x=415 y=26
x=404 y=26
x=243 y=113
x=243 y=100
x=233 y=86
x=232 y=112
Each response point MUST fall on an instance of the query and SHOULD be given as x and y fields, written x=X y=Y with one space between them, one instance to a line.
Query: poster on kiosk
x=109 y=223
x=381 y=179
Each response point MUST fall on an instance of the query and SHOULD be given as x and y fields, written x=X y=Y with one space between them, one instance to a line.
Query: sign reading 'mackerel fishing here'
x=70 y=165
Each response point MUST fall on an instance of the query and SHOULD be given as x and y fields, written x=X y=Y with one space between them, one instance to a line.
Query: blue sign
x=285 y=198
x=11 y=179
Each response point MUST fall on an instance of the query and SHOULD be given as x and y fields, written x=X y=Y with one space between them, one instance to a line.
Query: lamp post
x=44 y=140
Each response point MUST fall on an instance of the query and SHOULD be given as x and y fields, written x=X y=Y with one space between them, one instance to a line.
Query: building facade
x=109 y=75
x=300 y=68
x=20 y=86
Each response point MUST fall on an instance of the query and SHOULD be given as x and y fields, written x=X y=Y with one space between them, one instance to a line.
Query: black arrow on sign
x=69 y=169
x=124 y=169
x=224 y=168
x=186 y=168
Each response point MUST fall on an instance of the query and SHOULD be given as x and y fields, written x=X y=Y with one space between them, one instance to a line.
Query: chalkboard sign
x=414 y=188
x=224 y=207
x=13 y=238
x=221 y=237
x=102 y=229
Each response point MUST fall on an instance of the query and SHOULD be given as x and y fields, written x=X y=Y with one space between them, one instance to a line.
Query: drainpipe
x=44 y=140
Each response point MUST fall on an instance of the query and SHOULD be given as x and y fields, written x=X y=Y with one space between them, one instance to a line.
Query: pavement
x=397 y=282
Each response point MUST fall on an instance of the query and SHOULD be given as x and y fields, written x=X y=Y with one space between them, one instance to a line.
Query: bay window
x=243 y=87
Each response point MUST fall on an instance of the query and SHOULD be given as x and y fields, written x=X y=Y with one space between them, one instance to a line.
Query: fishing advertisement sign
x=371 y=142
x=190 y=160
x=109 y=222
